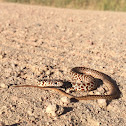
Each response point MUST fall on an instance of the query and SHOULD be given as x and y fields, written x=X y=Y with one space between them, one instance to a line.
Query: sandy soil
x=39 y=42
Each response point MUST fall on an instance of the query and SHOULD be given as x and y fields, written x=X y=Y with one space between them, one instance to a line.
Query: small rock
x=102 y=103
x=60 y=110
x=65 y=101
x=2 y=85
x=48 y=72
x=30 y=111
x=51 y=110
x=54 y=110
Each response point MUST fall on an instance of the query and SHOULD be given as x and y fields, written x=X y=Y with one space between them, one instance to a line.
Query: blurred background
x=113 y=5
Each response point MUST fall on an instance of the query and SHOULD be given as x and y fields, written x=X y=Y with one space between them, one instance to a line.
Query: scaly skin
x=82 y=74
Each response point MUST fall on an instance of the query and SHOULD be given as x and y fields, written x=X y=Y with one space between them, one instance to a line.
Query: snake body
x=86 y=78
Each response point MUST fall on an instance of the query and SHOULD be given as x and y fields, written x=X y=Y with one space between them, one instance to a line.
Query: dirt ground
x=40 y=42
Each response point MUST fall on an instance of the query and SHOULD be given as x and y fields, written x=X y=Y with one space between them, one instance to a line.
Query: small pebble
x=51 y=110
x=65 y=101
x=2 y=85
x=102 y=103
x=54 y=110
x=30 y=111
x=48 y=72
x=60 y=110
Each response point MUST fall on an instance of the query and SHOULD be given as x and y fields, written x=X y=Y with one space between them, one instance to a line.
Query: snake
x=85 y=80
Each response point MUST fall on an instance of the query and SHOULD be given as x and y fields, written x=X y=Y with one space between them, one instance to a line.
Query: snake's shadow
x=67 y=109
x=16 y=124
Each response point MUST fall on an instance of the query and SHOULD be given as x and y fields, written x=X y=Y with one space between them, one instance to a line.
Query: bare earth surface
x=39 y=42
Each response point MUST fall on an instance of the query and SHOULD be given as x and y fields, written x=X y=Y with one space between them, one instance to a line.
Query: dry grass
x=115 y=5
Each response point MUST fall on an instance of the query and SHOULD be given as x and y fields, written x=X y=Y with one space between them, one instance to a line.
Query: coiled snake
x=87 y=78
